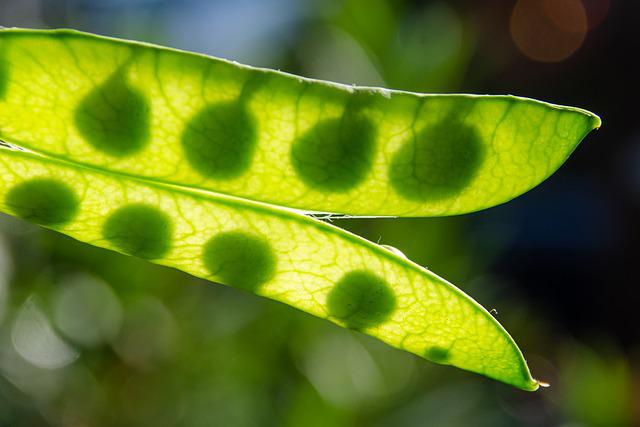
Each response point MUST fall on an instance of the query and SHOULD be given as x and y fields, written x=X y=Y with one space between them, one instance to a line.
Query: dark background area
x=558 y=263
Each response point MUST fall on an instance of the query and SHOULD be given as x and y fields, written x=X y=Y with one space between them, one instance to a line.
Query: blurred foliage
x=585 y=376
x=92 y=338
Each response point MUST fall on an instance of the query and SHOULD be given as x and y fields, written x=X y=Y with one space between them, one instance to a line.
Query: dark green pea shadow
x=336 y=154
x=240 y=260
x=361 y=300
x=437 y=355
x=44 y=201
x=140 y=230
x=439 y=162
x=219 y=141
x=114 y=117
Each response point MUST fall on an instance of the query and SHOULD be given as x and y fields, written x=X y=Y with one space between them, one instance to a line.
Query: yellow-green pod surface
x=264 y=135
x=167 y=156
x=282 y=255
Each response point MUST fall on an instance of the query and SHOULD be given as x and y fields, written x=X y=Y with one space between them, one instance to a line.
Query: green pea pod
x=263 y=135
x=195 y=163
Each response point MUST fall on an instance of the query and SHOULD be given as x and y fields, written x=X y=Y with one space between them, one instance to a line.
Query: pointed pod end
x=592 y=120
x=534 y=385
x=586 y=123
x=596 y=122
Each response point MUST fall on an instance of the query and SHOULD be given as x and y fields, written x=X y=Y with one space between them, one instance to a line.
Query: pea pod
x=264 y=135
x=196 y=163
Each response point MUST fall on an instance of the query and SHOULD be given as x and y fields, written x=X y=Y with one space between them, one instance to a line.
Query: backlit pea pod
x=273 y=252
x=206 y=123
x=186 y=147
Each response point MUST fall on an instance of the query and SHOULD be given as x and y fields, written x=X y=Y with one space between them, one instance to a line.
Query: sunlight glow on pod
x=209 y=124
x=273 y=252
x=170 y=156
x=394 y=250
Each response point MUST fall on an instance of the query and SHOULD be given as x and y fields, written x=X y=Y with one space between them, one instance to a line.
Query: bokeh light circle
x=548 y=30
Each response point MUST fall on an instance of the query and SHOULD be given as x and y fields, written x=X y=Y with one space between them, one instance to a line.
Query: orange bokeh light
x=548 y=30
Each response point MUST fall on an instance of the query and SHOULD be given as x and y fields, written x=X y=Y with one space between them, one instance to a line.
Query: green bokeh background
x=92 y=338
